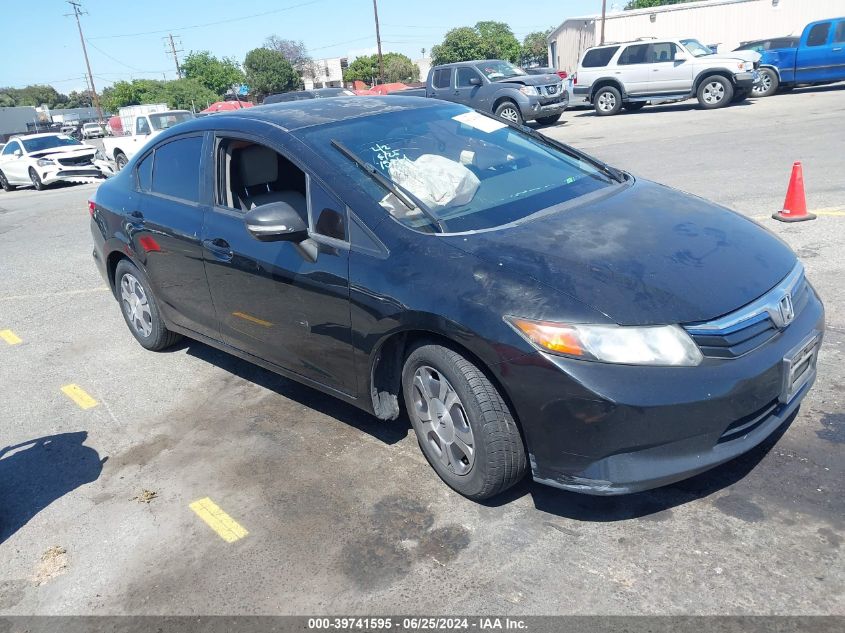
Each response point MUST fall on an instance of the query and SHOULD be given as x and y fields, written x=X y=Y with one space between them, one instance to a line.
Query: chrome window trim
x=768 y=305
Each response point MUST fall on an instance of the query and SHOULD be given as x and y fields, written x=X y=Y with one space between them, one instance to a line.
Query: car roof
x=26 y=137
x=471 y=61
x=296 y=115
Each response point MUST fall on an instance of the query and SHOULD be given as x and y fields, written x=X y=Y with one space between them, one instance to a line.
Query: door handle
x=219 y=248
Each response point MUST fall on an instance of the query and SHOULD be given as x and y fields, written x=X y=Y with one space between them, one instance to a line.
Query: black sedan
x=527 y=305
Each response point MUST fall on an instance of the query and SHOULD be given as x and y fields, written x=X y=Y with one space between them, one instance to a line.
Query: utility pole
x=603 y=14
x=378 y=42
x=174 y=50
x=76 y=13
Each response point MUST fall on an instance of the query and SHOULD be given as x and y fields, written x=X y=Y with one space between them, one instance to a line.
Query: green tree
x=397 y=67
x=268 y=72
x=458 y=45
x=217 y=75
x=78 y=100
x=498 y=41
x=186 y=94
x=535 y=50
x=35 y=95
x=647 y=4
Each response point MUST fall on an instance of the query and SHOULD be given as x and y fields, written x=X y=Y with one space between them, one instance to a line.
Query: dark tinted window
x=599 y=57
x=145 y=173
x=635 y=54
x=818 y=34
x=662 y=52
x=839 y=36
x=177 y=169
x=784 y=42
x=464 y=75
x=442 y=77
x=327 y=212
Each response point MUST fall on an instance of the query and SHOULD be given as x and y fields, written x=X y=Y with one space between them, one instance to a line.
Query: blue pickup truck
x=819 y=58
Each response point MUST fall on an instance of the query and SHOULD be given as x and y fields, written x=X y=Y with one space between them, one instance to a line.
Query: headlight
x=98 y=155
x=529 y=91
x=43 y=162
x=642 y=345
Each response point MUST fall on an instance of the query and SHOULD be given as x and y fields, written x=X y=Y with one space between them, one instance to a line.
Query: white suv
x=631 y=74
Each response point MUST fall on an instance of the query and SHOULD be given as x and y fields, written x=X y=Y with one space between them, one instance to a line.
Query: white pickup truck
x=137 y=131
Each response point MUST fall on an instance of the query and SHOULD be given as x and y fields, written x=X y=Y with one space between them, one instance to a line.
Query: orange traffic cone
x=795 y=205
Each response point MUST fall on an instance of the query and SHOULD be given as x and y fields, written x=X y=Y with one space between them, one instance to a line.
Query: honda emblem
x=787 y=310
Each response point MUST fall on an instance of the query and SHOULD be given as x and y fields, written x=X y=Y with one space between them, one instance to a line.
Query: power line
x=199 y=26
x=114 y=59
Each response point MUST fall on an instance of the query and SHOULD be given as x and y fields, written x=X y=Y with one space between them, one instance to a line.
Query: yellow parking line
x=226 y=527
x=78 y=395
x=10 y=337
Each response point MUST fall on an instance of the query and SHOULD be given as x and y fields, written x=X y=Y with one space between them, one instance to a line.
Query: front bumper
x=746 y=81
x=607 y=429
x=535 y=109
x=97 y=170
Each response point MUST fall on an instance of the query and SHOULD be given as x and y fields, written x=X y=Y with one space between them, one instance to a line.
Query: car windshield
x=47 y=142
x=164 y=120
x=468 y=170
x=696 y=48
x=498 y=70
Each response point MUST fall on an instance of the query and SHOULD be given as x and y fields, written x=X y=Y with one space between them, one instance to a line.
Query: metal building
x=725 y=23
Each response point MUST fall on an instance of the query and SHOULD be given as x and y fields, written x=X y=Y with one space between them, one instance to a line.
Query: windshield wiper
x=407 y=198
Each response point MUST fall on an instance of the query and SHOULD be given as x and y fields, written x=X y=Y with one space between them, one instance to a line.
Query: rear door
x=667 y=75
x=165 y=231
x=634 y=69
x=441 y=84
x=814 y=60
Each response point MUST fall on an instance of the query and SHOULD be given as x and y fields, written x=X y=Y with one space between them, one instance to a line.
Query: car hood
x=643 y=255
x=747 y=56
x=531 y=80
x=64 y=152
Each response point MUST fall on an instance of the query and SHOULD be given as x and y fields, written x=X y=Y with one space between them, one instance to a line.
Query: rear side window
x=145 y=173
x=598 y=57
x=176 y=171
x=818 y=34
x=635 y=54
x=442 y=77
x=839 y=35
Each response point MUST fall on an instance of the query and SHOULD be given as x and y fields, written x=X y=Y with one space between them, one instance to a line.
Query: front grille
x=551 y=90
x=75 y=161
x=79 y=172
x=749 y=336
x=744 y=425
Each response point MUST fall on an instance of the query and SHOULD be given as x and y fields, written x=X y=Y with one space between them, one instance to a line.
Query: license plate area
x=799 y=367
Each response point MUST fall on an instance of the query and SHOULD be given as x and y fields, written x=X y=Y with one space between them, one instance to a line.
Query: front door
x=814 y=56
x=283 y=302
x=465 y=92
x=14 y=167
x=667 y=75
x=165 y=229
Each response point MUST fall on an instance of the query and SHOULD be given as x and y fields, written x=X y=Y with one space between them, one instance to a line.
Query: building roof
x=683 y=6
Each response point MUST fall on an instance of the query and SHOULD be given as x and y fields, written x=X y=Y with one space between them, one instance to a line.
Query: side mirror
x=17 y=153
x=276 y=221
x=475 y=81
x=681 y=56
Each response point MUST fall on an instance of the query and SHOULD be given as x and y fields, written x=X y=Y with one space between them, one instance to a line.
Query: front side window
x=470 y=171
x=176 y=169
x=142 y=126
x=599 y=57
x=662 y=52
x=464 y=76
x=328 y=214
x=500 y=71
x=635 y=54
x=818 y=34
x=48 y=142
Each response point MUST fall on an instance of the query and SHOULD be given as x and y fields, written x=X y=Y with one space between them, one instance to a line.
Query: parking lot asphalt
x=307 y=505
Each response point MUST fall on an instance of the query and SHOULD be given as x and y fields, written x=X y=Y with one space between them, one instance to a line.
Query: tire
x=5 y=183
x=142 y=318
x=740 y=95
x=634 y=106
x=434 y=375
x=36 y=180
x=549 y=120
x=715 y=92
x=607 y=101
x=768 y=85
x=120 y=160
x=509 y=111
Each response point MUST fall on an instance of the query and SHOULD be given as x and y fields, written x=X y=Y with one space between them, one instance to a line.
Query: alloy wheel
x=764 y=86
x=444 y=421
x=606 y=101
x=714 y=92
x=510 y=114
x=135 y=305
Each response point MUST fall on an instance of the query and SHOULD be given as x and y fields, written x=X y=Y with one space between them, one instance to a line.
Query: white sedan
x=43 y=159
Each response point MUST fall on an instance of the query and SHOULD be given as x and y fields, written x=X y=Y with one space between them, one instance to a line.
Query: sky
x=126 y=39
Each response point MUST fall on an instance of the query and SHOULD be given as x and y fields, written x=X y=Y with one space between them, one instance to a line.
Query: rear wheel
x=120 y=160
x=5 y=183
x=140 y=310
x=549 y=120
x=715 y=92
x=36 y=179
x=768 y=83
x=607 y=101
x=463 y=426
x=634 y=106
x=509 y=111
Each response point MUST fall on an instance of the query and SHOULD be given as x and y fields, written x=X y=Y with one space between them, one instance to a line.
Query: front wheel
x=549 y=120
x=140 y=309
x=608 y=101
x=463 y=425
x=509 y=111
x=120 y=160
x=768 y=83
x=715 y=92
x=36 y=180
